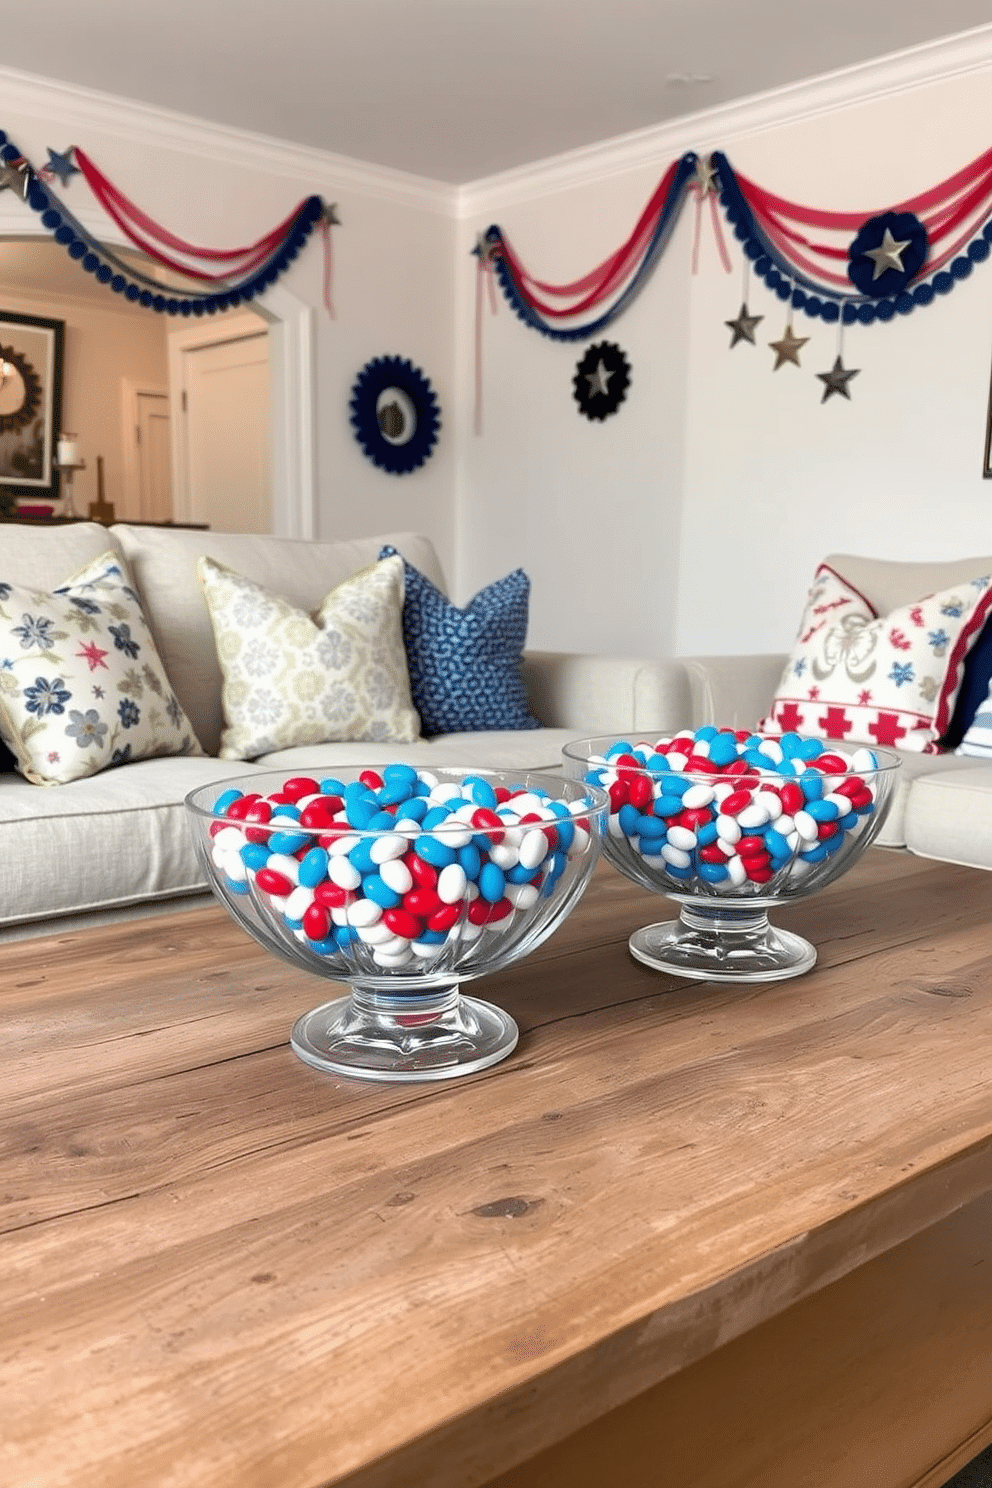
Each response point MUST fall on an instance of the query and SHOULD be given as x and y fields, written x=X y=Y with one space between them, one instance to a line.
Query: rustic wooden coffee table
x=686 y=1235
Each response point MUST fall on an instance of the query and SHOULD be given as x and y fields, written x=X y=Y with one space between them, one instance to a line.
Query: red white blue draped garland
x=839 y=266
x=231 y=276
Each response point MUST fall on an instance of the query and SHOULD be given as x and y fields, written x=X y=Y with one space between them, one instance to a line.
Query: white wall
x=392 y=267
x=693 y=519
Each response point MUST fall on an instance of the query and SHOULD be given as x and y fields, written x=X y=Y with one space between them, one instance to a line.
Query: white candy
x=755 y=815
x=697 y=796
x=682 y=838
x=805 y=826
x=363 y=912
x=282 y=863
x=675 y=856
x=522 y=896
x=396 y=875
x=343 y=873
x=231 y=839
x=389 y=845
x=452 y=882
x=298 y=902
x=533 y=848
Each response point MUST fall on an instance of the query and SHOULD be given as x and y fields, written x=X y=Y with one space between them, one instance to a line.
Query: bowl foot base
x=719 y=946
x=369 y=1037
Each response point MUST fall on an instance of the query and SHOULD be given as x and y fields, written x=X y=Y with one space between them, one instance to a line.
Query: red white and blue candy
x=727 y=810
x=397 y=860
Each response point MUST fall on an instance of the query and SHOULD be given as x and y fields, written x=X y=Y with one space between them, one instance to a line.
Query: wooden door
x=225 y=410
x=154 y=457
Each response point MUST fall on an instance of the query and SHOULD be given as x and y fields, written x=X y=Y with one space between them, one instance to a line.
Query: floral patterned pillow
x=879 y=679
x=292 y=679
x=81 y=683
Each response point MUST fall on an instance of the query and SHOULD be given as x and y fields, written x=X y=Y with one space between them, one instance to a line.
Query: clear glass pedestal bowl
x=730 y=825
x=403 y=884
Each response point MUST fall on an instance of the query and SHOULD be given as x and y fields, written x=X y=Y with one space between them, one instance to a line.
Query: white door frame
x=292 y=407
x=130 y=393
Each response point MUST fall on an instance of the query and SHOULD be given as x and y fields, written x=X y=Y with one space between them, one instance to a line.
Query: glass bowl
x=730 y=824
x=402 y=883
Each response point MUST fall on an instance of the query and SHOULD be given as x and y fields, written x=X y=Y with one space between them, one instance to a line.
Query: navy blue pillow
x=465 y=663
x=973 y=691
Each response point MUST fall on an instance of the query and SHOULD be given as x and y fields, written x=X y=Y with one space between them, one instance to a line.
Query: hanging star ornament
x=60 y=164
x=787 y=349
x=15 y=175
x=836 y=380
x=743 y=327
x=330 y=214
x=705 y=177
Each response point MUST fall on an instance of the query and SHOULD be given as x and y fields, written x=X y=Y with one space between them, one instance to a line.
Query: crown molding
x=72 y=107
x=971 y=51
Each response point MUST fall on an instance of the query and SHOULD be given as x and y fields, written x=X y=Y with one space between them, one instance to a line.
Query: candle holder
x=68 y=462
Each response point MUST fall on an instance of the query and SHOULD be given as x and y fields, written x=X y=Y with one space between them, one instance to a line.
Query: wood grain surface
x=223 y=1269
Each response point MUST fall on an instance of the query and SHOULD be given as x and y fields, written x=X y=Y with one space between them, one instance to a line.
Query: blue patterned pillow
x=465 y=664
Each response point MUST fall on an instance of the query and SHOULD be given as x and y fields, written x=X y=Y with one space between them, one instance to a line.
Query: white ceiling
x=458 y=90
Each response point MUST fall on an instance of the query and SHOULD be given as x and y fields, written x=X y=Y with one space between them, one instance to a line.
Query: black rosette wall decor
x=394 y=413
x=601 y=380
x=20 y=390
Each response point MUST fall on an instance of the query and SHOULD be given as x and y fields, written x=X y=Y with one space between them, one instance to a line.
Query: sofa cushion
x=45 y=554
x=948 y=813
x=128 y=827
x=889 y=679
x=81 y=683
x=525 y=749
x=163 y=561
x=978 y=739
x=465 y=663
x=290 y=679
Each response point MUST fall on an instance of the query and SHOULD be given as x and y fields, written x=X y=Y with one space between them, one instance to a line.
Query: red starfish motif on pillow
x=864 y=698
x=92 y=655
x=814 y=693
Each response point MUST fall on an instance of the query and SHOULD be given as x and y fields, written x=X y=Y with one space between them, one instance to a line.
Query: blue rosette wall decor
x=394 y=413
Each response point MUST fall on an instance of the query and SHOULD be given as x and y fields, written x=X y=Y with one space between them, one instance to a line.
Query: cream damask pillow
x=289 y=678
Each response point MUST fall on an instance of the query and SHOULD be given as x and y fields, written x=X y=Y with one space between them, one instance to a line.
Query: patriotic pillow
x=878 y=679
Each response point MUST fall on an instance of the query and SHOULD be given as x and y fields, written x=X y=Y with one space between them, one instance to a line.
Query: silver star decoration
x=888 y=254
x=331 y=214
x=705 y=178
x=485 y=248
x=599 y=381
x=788 y=348
x=836 y=380
x=15 y=177
x=743 y=327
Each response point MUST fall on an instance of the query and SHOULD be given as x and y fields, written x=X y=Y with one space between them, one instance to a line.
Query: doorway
x=220 y=393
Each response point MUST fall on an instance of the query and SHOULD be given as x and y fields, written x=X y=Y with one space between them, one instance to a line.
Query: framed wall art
x=30 y=406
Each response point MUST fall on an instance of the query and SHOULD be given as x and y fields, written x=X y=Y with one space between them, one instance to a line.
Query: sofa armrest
x=596 y=694
x=732 y=691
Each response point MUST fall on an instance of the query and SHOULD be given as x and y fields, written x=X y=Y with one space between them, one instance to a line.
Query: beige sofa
x=118 y=843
